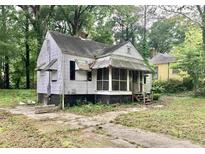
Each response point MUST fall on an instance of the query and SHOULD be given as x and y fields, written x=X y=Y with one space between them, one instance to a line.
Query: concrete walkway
x=124 y=136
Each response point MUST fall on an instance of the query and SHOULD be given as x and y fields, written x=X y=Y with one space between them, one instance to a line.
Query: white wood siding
x=80 y=85
x=43 y=76
x=123 y=51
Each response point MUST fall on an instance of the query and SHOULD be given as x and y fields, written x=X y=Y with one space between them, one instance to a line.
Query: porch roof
x=52 y=66
x=118 y=63
x=40 y=67
x=82 y=65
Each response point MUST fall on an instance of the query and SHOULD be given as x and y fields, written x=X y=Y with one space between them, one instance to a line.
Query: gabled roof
x=113 y=48
x=81 y=47
x=161 y=58
x=77 y=46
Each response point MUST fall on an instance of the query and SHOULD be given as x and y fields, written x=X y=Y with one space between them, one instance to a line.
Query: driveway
x=121 y=136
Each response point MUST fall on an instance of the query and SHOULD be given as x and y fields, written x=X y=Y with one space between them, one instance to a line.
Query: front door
x=135 y=82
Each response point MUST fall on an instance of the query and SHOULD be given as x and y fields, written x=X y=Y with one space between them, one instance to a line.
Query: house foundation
x=71 y=100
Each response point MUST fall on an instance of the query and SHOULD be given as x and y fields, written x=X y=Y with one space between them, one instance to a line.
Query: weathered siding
x=43 y=76
x=80 y=85
x=123 y=51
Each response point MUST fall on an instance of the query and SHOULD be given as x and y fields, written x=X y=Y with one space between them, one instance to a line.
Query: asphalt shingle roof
x=77 y=46
x=161 y=58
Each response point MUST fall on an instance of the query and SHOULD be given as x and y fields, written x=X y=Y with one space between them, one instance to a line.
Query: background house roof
x=161 y=58
x=77 y=46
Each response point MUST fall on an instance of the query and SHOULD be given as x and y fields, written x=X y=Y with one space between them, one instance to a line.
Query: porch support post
x=110 y=78
x=128 y=81
x=138 y=80
x=143 y=89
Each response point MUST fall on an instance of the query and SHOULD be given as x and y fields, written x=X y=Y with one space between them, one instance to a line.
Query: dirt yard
x=72 y=130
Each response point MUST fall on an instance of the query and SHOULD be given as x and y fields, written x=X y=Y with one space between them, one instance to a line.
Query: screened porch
x=120 y=79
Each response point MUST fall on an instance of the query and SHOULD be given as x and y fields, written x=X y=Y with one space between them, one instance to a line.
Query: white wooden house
x=71 y=69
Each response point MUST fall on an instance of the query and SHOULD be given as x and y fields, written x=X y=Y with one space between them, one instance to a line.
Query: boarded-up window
x=54 y=76
x=119 y=79
x=72 y=70
x=103 y=79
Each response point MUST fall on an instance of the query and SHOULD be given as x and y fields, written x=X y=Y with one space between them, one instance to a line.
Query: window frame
x=103 y=80
x=119 y=80
x=72 y=70
x=89 y=75
x=52 y=75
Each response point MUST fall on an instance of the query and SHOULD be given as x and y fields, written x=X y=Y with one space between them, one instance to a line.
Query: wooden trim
x=110 y=78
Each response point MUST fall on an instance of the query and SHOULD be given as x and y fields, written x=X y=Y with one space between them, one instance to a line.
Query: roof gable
x=127 y=50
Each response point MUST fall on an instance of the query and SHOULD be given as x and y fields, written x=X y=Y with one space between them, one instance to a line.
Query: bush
x=200 y=92
x=156 y=96
x=172 y=86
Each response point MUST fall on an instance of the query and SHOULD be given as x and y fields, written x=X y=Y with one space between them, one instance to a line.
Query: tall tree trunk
x=6 y=63
x=27 y=62
x=145 y=31
x=7 y=85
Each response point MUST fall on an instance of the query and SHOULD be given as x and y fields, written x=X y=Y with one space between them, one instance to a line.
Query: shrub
x=157 y=87
x=156 y=96
x=172 y=86
x=200 y=92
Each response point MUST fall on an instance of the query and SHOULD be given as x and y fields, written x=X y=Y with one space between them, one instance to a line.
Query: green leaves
x=166 y=33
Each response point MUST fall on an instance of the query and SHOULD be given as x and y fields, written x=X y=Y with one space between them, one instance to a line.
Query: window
x=145 y=78
x=72 y=70
x=103 y=79
x=119 y=79
x=89 y=76
x=54 y=76
x=128 y=50
x=175 y=71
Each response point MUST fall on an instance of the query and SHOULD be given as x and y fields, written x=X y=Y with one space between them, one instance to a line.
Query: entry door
x=141 y=83
x=135 y=82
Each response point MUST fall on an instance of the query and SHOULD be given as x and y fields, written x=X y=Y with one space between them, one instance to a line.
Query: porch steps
x=140 y=98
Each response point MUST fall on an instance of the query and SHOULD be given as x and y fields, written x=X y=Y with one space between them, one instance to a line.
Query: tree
x=166 y=33
x=195 y=14
x=125 y=18
x=39 y=17
x=189 y=55
x=72 y=19
x=6 y=41
x=103 y=24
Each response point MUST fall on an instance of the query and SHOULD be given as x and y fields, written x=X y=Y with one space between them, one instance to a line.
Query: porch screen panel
x=119 y=79
x=115 y=79
x=123 y=79
x=103 y=79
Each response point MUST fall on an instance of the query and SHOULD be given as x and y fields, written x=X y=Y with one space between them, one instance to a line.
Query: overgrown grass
x=184 y=117
x=17 y=131
x=12 y=97
x=99 y=108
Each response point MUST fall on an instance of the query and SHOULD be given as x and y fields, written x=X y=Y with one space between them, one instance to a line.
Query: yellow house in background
x=163 y=62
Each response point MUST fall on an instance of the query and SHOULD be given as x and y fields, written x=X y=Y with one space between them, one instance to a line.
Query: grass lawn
x=183 y=117
x=95 y=109
x=10 y=98
x=21 y=132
